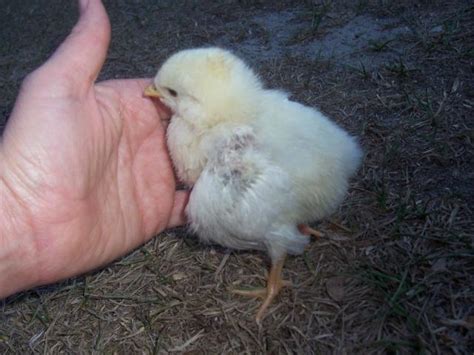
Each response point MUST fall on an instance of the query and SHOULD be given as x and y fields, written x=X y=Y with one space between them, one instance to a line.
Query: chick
x=260 y=166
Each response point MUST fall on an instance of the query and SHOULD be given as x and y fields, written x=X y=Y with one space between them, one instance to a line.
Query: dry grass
x=396 y=275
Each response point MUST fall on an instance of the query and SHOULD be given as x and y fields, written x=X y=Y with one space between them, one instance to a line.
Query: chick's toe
x=307 y=230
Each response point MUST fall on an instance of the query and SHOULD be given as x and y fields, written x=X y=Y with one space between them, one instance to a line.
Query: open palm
x=86 y=163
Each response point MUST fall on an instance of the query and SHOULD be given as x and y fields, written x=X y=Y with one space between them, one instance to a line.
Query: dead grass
x=397 y=277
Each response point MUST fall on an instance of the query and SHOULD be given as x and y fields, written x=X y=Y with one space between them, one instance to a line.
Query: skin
x=84 y=172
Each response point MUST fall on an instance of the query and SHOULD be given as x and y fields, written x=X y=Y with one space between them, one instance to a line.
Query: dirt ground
x=394 y=274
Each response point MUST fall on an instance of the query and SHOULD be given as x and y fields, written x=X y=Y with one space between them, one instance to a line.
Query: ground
x=394 y=273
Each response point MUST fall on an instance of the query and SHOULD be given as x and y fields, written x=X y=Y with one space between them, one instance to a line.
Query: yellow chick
x=260 y=166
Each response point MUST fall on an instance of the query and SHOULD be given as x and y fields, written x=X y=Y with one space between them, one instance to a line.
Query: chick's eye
x=172 y=92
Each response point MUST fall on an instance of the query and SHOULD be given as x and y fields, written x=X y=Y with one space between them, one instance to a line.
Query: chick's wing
x=241 y=196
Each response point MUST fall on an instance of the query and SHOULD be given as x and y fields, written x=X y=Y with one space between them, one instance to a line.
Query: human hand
x=84 y=171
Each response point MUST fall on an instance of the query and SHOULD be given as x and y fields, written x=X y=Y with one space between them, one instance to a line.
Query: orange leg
x=307 y=230
x=274 y=285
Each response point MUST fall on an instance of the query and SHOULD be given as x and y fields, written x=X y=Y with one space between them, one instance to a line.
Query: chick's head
x=208 y=86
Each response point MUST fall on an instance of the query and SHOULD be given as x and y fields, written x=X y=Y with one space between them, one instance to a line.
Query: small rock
x=437 y=29
x=178 y=276
x=439 y=265
x=335 y=288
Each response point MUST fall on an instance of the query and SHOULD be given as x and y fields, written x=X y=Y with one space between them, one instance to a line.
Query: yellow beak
x=151 y=91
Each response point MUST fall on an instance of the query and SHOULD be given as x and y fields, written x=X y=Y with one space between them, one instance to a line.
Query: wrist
x=17 y=248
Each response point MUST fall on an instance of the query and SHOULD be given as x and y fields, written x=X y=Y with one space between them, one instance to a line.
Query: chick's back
x=317 y=154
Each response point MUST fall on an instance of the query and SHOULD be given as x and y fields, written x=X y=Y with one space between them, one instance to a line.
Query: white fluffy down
x=260 y=164
x=243 y=201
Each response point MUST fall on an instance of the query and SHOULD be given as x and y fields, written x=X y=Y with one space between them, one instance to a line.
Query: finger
x=178 y=216
x=83 y=52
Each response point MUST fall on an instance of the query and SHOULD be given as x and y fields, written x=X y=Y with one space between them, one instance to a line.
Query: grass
x=399 y=68
x=362 y=71
x=318 y=12
x=379 y=46
x=402 y=241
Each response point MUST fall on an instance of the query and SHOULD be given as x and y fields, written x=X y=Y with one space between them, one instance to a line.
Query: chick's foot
x=307 y=230
x=274 y=284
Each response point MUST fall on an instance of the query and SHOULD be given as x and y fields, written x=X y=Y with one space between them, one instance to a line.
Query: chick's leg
x=274 y=285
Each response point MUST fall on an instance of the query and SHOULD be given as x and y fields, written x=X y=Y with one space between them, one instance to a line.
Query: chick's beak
x=151 y=91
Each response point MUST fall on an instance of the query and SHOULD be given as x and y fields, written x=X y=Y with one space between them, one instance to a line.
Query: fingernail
x=83 y=5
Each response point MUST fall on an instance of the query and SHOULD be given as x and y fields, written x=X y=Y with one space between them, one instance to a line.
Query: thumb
x=83 y=52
